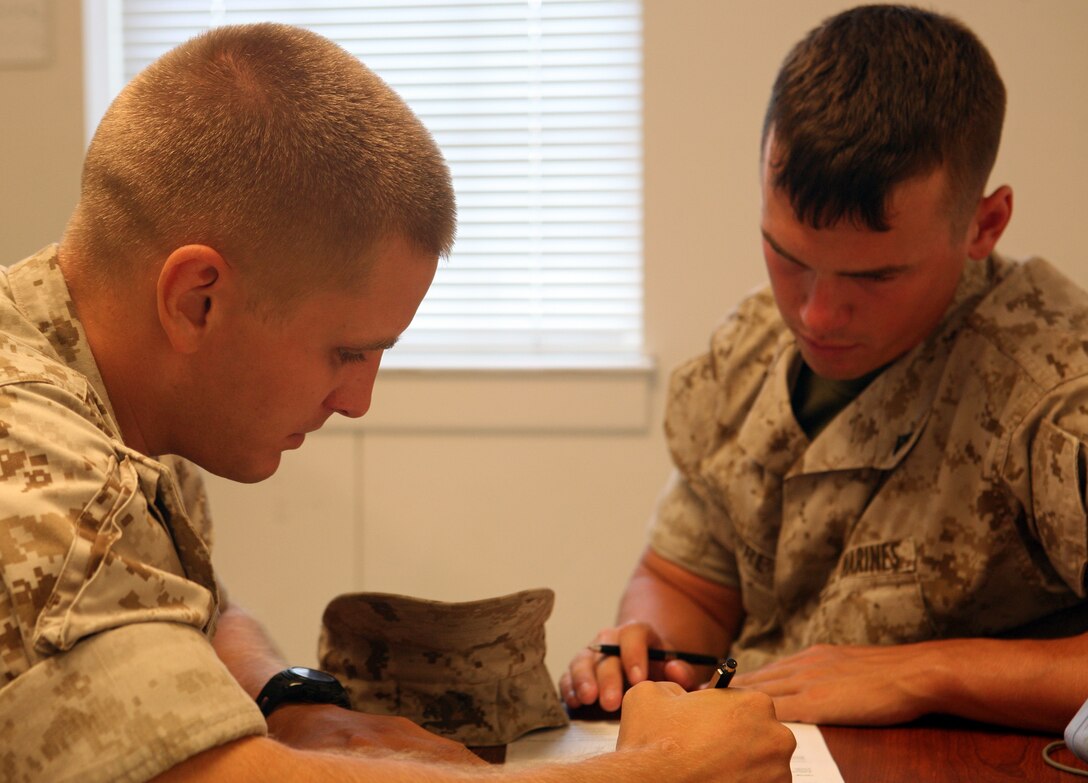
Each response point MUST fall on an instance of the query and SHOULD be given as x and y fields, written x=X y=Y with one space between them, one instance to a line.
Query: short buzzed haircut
x=875 y=96
x=272 y=145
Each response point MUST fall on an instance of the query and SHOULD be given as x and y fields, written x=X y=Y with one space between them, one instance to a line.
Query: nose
x=825 y=309
x=352 y=394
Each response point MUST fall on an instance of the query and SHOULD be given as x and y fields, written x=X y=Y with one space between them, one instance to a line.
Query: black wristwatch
x=299 y=684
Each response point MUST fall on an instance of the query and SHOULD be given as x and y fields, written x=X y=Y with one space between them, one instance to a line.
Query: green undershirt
x=816 y=400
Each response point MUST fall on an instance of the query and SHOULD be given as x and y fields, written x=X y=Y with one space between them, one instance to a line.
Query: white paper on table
x=580 y=740
x=811 y=762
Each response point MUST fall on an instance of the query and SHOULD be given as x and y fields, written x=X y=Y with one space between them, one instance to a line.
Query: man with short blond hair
x=259 y=219
x=292 y=168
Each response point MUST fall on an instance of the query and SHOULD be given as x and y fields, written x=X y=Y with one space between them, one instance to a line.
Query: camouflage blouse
x=107 y=596
x=947 y=499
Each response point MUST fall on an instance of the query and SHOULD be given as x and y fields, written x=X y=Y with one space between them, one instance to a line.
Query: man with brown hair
x=259 y=218
x=878 y=505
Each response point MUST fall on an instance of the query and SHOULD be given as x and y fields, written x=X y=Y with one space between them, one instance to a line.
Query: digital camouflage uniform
x=107 y=598
x=946 y=500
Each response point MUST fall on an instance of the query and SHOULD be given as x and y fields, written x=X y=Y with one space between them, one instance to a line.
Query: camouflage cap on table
x=470 y=671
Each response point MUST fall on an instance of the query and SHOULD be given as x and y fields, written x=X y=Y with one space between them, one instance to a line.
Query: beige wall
x=41 y=137
x=468 y=486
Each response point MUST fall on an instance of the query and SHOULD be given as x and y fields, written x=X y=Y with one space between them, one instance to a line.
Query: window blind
x=537 y=107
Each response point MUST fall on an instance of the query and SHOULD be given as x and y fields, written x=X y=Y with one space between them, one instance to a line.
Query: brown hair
x=274 y=146
x=877 y=95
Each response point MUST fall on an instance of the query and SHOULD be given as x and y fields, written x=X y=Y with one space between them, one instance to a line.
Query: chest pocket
x=874 y=594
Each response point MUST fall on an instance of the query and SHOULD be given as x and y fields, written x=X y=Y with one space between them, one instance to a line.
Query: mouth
x=826 y=347
x=295 y=439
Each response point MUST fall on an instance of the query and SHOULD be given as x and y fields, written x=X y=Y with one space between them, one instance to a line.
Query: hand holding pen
x=600 y=674
x=725 y=668
x=655 y=654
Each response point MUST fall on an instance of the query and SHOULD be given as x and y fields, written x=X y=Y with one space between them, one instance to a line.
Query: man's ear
x=190 y=293
x=989 y=223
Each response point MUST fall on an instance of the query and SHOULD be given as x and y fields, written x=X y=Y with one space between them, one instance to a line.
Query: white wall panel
x=285 y=547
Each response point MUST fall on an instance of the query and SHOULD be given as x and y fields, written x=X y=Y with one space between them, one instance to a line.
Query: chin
x=250 y=472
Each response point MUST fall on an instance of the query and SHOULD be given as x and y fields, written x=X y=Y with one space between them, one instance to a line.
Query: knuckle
x=606 y=636
x=755 y=700
x=640 y=690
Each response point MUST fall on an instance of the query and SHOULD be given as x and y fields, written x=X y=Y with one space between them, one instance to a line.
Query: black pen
x=661 y=655
x=726 y=670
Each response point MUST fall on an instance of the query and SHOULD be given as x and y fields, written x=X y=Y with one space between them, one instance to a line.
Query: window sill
x=612 y=400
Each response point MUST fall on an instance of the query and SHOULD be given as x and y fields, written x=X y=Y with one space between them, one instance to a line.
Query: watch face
x=312 y=674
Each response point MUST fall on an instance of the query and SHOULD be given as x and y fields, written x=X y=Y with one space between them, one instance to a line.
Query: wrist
x=938 y=679
x=284 y=722
x=301 y=685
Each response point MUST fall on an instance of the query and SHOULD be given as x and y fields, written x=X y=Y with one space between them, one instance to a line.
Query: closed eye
x=876 y=276
x=363 y=350
x=883 y=274
x=348 y=357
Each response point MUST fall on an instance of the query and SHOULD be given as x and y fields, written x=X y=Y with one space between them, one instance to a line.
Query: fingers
x=608 y=673
x=578 y=686
x=593 y=677
x=634 y=641
x=758 y=746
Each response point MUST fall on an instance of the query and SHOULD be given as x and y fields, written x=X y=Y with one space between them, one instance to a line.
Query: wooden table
x=942 y=750
x=933 y=750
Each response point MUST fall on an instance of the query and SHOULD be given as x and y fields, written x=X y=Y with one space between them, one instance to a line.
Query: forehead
x=382 y=304
x=918 y=218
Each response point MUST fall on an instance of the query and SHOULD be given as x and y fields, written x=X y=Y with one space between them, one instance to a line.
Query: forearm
x=259 y=759
x=251 y=657
x=690 y=612
x=1032 y=684
x=244 y=646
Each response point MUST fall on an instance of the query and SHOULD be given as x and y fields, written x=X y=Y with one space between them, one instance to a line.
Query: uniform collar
x=877 y=429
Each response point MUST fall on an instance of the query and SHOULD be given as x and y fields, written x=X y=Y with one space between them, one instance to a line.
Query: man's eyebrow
x=374 y=345
x=778 y=249
x=879 y=270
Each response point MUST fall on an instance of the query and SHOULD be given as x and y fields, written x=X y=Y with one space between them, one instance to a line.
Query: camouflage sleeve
x=87 y=554
x=692 y=534
x=125 y=705
x=685 y=528
x=83 y=548
x=709 y=397
x=1050 y=455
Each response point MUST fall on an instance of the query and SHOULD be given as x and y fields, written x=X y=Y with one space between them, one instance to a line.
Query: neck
x=119 y=335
